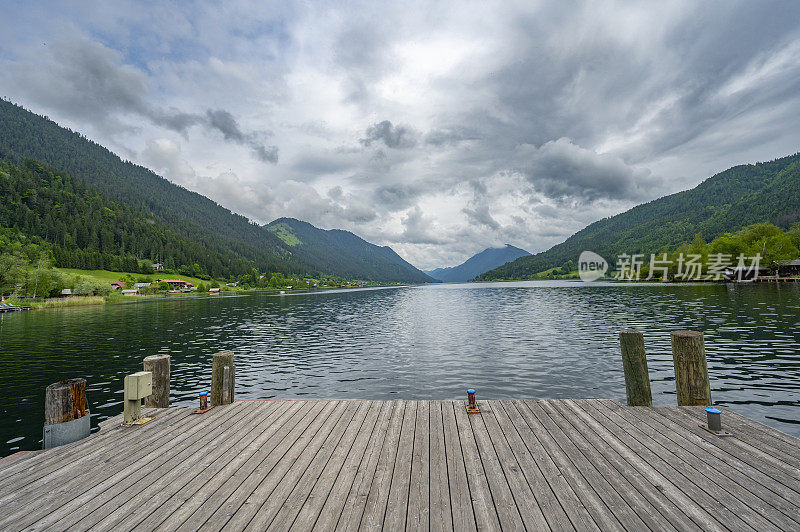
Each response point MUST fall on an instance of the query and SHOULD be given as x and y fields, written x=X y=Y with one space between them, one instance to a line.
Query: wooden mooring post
x=223 y=383
x=634 y=362
x=691 y=368
x=158 y=365
x=66 y=418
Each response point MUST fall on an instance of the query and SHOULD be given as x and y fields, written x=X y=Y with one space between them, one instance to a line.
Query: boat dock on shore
x=414 y=465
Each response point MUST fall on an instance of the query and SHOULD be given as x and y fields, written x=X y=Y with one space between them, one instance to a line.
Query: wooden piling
x=158 y=365
x=219 y=395
x=691 y=368
x=65 y=401
x=634 y=362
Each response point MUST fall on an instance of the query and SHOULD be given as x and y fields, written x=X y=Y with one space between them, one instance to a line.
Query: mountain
x=84 y=229
x=726 y=202
x=223 y=243
x=26 y=135
x=484 y=261
x=343 y=253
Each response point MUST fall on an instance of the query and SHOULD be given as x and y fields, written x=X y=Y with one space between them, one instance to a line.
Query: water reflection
x=544 y=339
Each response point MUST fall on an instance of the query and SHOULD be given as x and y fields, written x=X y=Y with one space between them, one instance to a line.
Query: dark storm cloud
x=225 y=123
x=561 y=170
x=397 y=137
x=86 y=80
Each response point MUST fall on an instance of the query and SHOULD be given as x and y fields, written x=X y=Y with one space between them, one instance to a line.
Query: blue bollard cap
x=203 y=393
x=712 y=410
x=471 y=390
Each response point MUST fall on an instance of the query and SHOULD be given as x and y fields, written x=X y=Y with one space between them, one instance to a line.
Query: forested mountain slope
x=344 y=253
x=728 y=201
x=197 y=229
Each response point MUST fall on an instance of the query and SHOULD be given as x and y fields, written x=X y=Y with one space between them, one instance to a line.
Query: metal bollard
x=472 y=405
x=714 y=419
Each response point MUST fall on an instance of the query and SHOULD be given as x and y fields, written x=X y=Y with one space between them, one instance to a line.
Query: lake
x=508 y=340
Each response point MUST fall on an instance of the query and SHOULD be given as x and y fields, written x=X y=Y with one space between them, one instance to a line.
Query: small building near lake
x=130 y=292
x=141 y=285
x=118 y=285
x=66 y=292
x=788 y=268
x=175 y=284
x=158 y=267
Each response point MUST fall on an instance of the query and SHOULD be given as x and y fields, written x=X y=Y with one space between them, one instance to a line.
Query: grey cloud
x=400 y=196
x=397 y=137
x=562 y=170
x=450 y=136
x=86 y=80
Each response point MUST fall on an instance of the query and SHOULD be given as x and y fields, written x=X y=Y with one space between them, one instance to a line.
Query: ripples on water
x=533 y=339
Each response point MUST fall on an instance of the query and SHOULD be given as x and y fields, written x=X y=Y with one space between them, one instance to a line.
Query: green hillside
x=87 y=230
x=344 y=253
x=25 y=135
x=727 y=202
x=150 y=218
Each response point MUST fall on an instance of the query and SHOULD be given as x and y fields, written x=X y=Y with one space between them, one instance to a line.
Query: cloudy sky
x=439 y=129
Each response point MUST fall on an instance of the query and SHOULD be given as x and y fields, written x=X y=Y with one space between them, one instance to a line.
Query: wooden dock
x=414 y=465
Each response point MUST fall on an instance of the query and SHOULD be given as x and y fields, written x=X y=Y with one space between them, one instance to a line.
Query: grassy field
x=109 y=277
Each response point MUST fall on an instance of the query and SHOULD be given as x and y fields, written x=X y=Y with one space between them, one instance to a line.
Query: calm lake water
x=529 y=339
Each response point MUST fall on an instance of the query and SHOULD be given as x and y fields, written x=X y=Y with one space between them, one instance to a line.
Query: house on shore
x=118 y=285
x=175 y=284
x=788 y=268
x=130 y=292
x=139 y=286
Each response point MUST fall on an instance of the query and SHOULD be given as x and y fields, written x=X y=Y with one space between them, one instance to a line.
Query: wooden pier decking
x=414 y=465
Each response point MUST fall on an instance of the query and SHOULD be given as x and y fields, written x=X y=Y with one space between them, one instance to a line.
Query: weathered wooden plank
x=151 y=511
x=756 y=450
x=507 y=507
x=56 y=491
x=240 y=509
x=347 y=483
x=704 y=491
x=375 y=508
x=756 y=485
x=335 y=479
x=323 y=467
x=483 y=507
x=41 y=464
x=418 y=513
x=541 y=471
x=440 y=512
x=397 y=503
x=748 y=432
x=532 y=504
x=117 y=494
x=594 y=504
x=649 y=492
x=163 y=479
x=353 y=506
x=591 y=471
x=370 y=465
x=460 y=499
x=228 y=496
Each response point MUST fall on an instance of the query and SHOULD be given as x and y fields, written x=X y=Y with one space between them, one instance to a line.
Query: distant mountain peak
x=488 y=259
